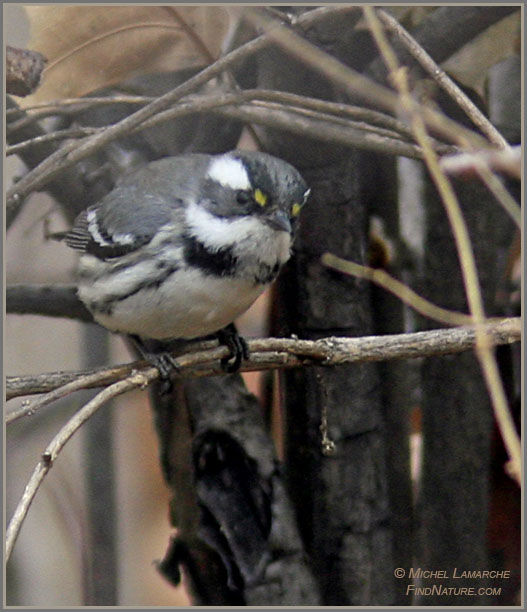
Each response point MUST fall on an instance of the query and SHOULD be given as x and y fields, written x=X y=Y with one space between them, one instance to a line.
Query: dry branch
x=458 y=225
x=57 y=444
x=266 y=353
x=272 y=353
x=71 y=153
x=442 y=78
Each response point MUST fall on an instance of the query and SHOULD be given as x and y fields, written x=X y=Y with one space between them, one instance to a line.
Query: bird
x=181 y=247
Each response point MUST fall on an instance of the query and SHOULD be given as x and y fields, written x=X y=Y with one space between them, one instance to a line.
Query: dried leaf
x=90 y=47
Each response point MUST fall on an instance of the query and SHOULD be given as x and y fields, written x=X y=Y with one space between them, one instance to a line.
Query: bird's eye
x=242 y=197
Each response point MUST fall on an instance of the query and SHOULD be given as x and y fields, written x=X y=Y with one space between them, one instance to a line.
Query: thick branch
x=272 y=353
x=46 y=300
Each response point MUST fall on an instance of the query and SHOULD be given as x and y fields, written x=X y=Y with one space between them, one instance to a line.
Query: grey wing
x=143 y=201
x=125 y=220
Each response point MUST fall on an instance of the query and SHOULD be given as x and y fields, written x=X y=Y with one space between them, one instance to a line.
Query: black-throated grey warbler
x=183 y=246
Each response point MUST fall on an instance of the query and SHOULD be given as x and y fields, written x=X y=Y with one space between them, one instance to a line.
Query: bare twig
x=507 y=160
x=66 y=107
x=77 y=132
x=355 y=82
x=57 y=444
x=304 y=119
x=402 y=291
x=268 y=353
x=472 y=111
x=482 y=163
x=464 y=247
x=272 y=353
x=75 y=105
x=73 y=152
x=322 y=130
x=442 y=78
x=94 y=380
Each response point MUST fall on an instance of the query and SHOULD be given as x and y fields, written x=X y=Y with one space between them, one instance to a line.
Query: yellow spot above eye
x=260 y=197
x=295 y=210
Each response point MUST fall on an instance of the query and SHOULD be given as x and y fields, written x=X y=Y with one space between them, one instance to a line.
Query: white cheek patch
x=215 y=232
x=229 y=172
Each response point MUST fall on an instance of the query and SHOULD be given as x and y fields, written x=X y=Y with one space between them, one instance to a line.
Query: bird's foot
x=236 y=344
x=160 y=359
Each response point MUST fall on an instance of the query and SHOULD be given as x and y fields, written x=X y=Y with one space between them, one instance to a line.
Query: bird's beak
x=279 y=220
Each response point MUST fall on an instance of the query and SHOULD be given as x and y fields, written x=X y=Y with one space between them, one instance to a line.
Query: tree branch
x=298 y=114
x=272 y=353
x=467 y=262
x=46 y=300
x=70 y=153
x=442 y=78
x=355 y=82
x=264 y=353
x=57 y=444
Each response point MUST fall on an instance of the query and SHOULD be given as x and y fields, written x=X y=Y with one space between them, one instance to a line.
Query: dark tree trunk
x=457 y=416
x=341 y=500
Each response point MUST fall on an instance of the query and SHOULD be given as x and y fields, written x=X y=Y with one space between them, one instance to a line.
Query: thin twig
x=359 y=113
x=57 y=444
x=508 y=161
x=442 y=78
x=328 y=351
x=321 y=130
x=272 y=353
x=76 y=132
x=306 y=121
x=402 y=291
x=73 y=152
x=466 y=256
x=89 y=381
x=74 y=105
x=355 y=82
x=66 y=107
x=465 y=103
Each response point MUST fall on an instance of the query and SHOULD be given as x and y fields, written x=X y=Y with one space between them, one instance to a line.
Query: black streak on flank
x=106 y=306
x=219 y=262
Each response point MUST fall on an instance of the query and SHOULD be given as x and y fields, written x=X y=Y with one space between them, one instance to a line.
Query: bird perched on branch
x=183 y=246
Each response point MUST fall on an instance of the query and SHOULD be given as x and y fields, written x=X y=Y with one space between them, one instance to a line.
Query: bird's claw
x=236 y=344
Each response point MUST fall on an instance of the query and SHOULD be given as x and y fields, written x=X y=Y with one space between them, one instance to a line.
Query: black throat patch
x=221 y=262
